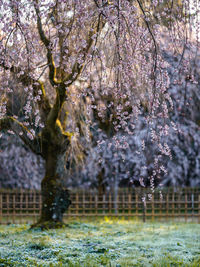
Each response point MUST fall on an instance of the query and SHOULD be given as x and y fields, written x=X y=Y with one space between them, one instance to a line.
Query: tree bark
x=55 y=195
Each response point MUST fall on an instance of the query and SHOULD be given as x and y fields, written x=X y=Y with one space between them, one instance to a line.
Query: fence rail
x=25 y=205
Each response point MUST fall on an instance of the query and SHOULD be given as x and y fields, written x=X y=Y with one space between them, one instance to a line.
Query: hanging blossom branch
x=23 y=76
x=37 y=86
x=12 y=124
x=155 y=53
x=155 y=45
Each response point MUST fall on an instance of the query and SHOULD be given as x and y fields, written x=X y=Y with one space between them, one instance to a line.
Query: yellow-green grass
x=102 y=242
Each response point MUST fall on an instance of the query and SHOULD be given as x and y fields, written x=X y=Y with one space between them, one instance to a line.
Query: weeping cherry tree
x=59 y=51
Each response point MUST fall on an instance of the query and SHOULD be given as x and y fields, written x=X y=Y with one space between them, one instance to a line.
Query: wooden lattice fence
x=25 y=205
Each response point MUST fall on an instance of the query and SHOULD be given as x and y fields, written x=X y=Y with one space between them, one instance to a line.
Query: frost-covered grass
x=102 y=242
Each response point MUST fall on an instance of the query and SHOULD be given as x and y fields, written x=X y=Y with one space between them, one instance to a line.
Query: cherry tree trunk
x=55 y=195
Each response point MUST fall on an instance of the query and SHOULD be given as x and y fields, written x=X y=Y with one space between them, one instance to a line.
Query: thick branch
x=10 y=123
x=55 y=110
x=43 y=102
x=76 y=71
x=47 y=44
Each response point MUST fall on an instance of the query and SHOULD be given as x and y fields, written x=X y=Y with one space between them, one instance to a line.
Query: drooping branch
x=78 y=67
x=153 y=38
x=155 y=55
x=38 y=87
x=47 y=44
x=150 y=32
x=10 y=123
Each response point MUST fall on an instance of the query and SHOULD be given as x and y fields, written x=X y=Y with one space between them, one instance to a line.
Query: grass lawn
x=102 y=242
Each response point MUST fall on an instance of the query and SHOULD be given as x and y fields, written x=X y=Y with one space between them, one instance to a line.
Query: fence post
x=173 y=207
x=123 y=203
x=192 y=198
x=104 y=200
x=144 y=210
x=1 y=208
x=167 y=205
x=96 y=203
x=34 y=206
x=136 y=204
x=26 y=200
x=77 y=206
x=40 y=203
x=129 y=203
x=110 y=204
x=91 y=206
x=153 y=207
x=8 y=207
x=20 y=205
x=160 y=204
x=186 y=206
x=199 y=209
x=13 y=206
x=179 y=204
x=84 y=203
